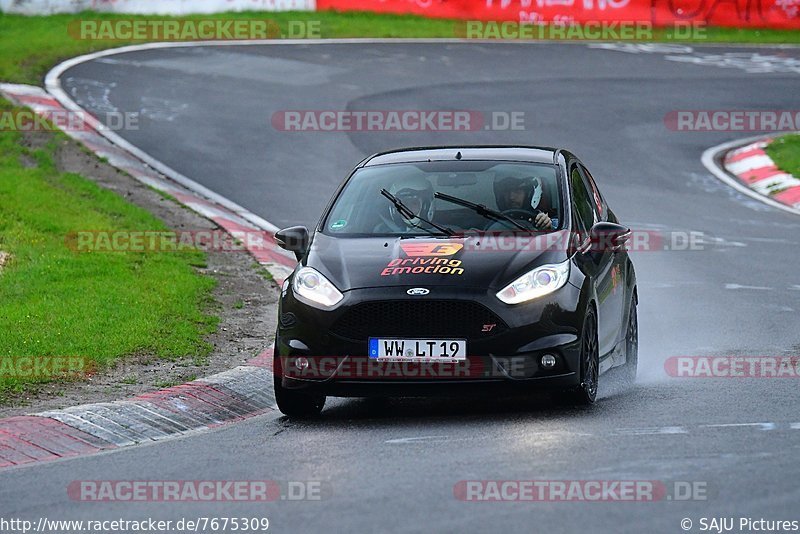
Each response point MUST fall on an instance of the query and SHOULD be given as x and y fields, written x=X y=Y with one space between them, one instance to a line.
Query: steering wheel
x=521 y=214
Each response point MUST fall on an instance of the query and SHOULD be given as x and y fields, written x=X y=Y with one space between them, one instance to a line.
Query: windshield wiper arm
x=480 y=209
x=408 y=214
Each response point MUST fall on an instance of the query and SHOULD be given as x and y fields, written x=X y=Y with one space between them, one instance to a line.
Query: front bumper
x=311 y=353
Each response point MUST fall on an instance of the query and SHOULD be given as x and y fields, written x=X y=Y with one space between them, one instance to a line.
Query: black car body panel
x=368 y=262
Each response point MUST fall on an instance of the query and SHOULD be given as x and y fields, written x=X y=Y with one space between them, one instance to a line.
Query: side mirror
x=608 y=236
x=294 y=239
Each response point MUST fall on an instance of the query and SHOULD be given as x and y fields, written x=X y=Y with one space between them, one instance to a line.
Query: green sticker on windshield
x=341 y=223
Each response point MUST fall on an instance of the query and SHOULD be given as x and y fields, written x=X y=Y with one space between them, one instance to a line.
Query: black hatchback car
x=449 y=270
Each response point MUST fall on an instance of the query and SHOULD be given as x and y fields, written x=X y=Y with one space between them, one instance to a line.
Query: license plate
x=425 y=350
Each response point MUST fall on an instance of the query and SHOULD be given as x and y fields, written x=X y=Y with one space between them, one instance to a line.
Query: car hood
x=474 y=261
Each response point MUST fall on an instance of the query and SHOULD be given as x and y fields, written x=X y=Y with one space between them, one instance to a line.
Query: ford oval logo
x=418 y=291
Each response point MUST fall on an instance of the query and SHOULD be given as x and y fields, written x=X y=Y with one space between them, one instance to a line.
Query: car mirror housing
x=294 y=239
x=608 y=236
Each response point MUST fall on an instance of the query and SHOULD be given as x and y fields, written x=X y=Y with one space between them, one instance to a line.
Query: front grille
x=422 y=318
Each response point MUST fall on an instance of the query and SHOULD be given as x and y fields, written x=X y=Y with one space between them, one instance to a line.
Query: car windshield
x=410 y=199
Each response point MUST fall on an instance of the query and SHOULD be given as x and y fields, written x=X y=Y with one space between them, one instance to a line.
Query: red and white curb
x=754 y=168
x=240 y=393
x=744 y=165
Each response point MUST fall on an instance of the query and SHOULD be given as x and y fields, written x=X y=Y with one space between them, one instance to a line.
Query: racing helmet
x=417 y=194
x=532 y=186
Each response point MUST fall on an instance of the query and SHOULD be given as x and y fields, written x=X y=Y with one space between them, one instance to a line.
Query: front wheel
x=586 y=392
x=295 y=403
x=631 y=346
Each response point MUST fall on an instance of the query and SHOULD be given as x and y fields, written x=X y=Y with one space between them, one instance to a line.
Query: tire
x=586 y=392
x=631 y=346
x=298 y=404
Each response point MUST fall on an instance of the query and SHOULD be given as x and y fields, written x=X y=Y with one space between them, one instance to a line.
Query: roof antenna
x=458 y=155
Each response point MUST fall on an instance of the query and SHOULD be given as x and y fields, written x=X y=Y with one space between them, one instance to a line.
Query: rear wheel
x=586 y=392
x=292 y=402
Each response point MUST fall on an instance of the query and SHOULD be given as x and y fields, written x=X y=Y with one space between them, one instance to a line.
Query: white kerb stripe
x=779 y=181
x=748 y=164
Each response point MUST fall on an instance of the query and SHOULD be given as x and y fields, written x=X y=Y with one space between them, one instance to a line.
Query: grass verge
x=785 y=152
x=55 y=302
x=32 y=45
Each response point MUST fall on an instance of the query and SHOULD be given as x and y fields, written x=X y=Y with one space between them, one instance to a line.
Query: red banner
x=783 y=14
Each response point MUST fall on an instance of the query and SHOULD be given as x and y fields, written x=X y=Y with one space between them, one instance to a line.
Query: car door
x=616 y=300
x=595 y=263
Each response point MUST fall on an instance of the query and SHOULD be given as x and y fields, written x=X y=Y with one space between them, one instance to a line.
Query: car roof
x=534 y=154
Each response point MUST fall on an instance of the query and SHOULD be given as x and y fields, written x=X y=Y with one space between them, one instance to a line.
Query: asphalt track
x=392 y=466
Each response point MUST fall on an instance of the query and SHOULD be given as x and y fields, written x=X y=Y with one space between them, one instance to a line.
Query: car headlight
x=536 y=283
x=314 y=289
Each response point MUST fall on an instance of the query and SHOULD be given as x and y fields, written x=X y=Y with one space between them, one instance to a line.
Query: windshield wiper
x=409 y=215
x=480 y=209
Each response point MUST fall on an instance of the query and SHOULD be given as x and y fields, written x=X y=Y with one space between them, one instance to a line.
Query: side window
x=582 y=201
x=596 y=198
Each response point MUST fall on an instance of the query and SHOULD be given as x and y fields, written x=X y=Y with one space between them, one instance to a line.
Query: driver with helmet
x=527 y=198
x=417 y=194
